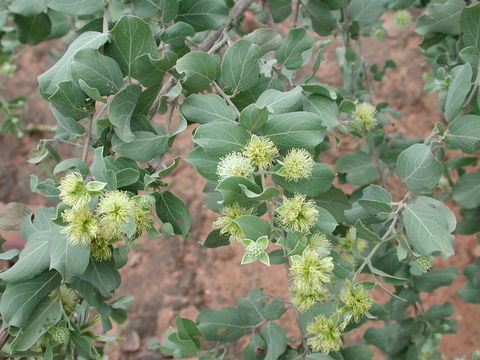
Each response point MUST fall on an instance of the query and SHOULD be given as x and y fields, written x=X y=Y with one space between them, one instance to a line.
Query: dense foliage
x=262 y=122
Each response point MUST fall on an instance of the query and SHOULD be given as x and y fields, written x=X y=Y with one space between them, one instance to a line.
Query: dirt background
x=171 y=275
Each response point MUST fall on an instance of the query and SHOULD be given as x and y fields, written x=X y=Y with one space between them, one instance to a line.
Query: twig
x=268 y=14
x=390 y=230
x=346 y=29
x=88 y=136
x=376 y=160
x=106 y=15
x=295 y=16
x=61 y=141
x=226 y=97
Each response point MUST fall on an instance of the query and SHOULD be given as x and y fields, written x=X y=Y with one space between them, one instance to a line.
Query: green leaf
x=200 y=70
x=33 y=29
x=466 y=191
x=120 y=111
x=464 y=134
x=359 y=168
x=376 y=199
x=428 y=231
x=170 y=209
x=203 y=14
x=207 y=108
x=317 y=183
x=434 y=279
x=76 y=7
x=205 y=164
x=215 y=239
x=27 y=7
x=323 y=21
x=276 y=340
x=227 y=324
x=100 y=172
x=166 y=10
x=418 y=168
x=293 y=46
x=389 y=339
x=240 y=68
x=458 y=90
x=59 y=72
x=253 y=227
x=220 y=138
x=150 y=71
x=91 y=92
x=335 y=201
x=442 y=16
x=358 y=352
x=297 y=129
x=232 y=192
x=131 y=38
x=70 y=101
x=366 y=12
x=280 y=10
x=20 y=299
x=470 y=26
x=267 y=39
x=103 y=276
x=96 y=70
x=267 y=193
x=253 y=117
x=278 y=102
x=364 y=233
x=144 y=147
x=320 y=89
x=471 y=291
x=46 y=314
x=325 y=221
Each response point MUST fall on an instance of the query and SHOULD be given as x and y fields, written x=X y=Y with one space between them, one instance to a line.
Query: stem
x=87 y=139
x=472 y=93
x=268 y=14
x=226 y=97
x=295 y=16
x=106 y=16
x=346 y=26
x=378 y=165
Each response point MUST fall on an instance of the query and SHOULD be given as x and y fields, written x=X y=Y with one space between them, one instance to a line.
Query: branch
x=267 y=10
x=226 y=97
x=88 y=136
x=346 y=29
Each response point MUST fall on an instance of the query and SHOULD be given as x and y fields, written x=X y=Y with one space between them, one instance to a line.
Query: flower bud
x=425 y=263
x=59 y=334
x=379 y=34
x=364 y=116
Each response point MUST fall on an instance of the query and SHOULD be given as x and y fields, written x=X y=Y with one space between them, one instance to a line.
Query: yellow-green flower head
x=100 y=249
x=115 y=209
x=326 y=336
x=379 y=34
x=143 y=214
x=82 y=225
x=305 y=299
x=297 y=214
x=425 y=263
x=227 y=224
x=72 y=190
x=357 y=301
x=297 y=164
x=402 y=18
x=318 y=241
x=234 y=164
x=68 y=298
x=261 y=151
x=364 y=116
x=310 y=271
x=59 y=334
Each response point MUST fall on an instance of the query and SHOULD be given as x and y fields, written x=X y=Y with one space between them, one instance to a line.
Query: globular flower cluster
x=297 y=213
x=318 y=241
x=325 y=334
x=261 y=152
x=402 y=18
x=107 y=223
x=297 y=165
x=425 y=263
x=364 y=116
x=357 y=301
x=234 y=164
x=227 y=223
x=59 y=334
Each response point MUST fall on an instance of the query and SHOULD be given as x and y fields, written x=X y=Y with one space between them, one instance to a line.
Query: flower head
x=310 y=271
x=255 y=250
x=379 y=34
x=305 y=299
x=68 y=298
x=59 y=334
x=72 y=190
x=82 y=225
x=297 y=164
x=326 y=336
x=227 y=224
x=357 y=301
x=297 y=214
x=402 y=18
x=261 y=151
x=319 y=242
x=100 y=249
x=115 y=209
x=143 y=214
x=234 y=164
x=364 y=116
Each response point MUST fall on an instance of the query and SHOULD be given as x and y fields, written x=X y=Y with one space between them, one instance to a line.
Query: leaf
x=206 y=165
x=293 y=46
x=458 y=90
x=267 y=39
x=335 y=201
x=219 y=139
x=366 y=234
x=27 y=7
x=103 y=276
x=358 y=352
x=232 y=192
x=366 y=12
x=170 y=209
x=276 y=340
x=253 y=227
x=297 y=129
x=267 y=193
x=418 y=168
x=200 y=70
x=60 y=71
x=470 y=26
x=91 y=92
x=320 y=89
x=20 y=299
x=131 y=38
x=359 y=168
x=207 y=108
x=466 y=191
x=100 y=172
x=46 y=314
x=318 y=182
x=240 y=68
x=70 y=101
x=120 y=111
x=227 y=324
x=376 y=199
x=215 y=239
x=427 y=230
x=166 y=10
x=442 y=16
x=33 y=29
x=76 y=7
x=203 y=14
x=434 y=279
x=96 y=70
x=325 y=221
x=323 y=21
x=278 y=102
x=150 y=71
x=144 y=147
x=464 y=134
x=253 y=117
